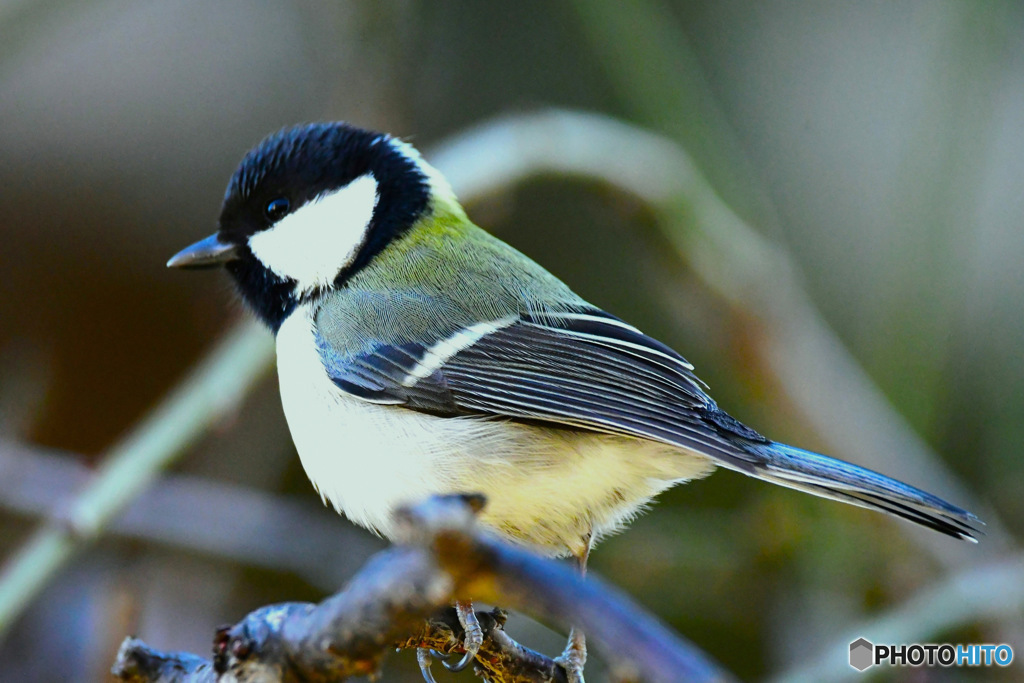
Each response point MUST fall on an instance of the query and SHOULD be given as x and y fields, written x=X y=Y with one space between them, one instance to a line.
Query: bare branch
x=139 y=663
x=445 y=557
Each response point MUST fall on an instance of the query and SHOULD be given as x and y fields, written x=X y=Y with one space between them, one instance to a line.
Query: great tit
x=419 y=355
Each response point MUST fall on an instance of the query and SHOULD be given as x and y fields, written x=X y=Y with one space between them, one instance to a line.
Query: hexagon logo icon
x=862 y=654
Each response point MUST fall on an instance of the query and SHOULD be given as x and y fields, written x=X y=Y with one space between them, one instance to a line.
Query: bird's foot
x=424 y=659
x=472 y=640
x=574 y=657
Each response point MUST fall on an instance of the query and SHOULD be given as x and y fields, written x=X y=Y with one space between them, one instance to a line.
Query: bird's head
x=310 y=206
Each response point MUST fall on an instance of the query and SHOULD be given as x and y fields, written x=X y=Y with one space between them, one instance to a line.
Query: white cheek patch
x=314 y=243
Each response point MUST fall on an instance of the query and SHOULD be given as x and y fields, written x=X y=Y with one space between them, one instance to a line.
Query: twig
x=137 y=663
x=500 y=657
x=444 y=557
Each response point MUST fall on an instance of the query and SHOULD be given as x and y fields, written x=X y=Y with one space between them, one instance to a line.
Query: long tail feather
x=830 y=478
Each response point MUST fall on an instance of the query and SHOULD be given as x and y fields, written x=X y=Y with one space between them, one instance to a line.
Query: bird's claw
x=424 y=659
x=574 y=657
x=462 y=663
x=472 y=640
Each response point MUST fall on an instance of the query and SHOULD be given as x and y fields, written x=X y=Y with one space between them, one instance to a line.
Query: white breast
x=357 y=454
x=548 y=488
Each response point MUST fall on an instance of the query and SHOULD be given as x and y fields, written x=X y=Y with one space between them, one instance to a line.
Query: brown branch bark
x=400 y=599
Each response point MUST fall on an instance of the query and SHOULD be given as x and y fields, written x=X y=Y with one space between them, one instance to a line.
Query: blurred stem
x=657 y=76
x=990 y=592
x=198 y=515
x=212 y=390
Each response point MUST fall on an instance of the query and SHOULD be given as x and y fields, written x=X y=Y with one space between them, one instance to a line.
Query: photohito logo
x=865 y=654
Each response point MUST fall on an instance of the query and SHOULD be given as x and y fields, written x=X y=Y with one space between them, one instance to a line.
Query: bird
x=419 y=355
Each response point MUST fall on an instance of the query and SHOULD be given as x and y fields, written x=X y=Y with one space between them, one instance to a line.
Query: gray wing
x=587 y=369
x=590 y=370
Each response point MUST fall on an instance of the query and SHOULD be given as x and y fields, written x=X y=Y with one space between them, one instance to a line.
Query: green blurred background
x=879 y=144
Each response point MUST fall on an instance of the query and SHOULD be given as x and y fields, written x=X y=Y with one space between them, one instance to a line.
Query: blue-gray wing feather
x=589 y=370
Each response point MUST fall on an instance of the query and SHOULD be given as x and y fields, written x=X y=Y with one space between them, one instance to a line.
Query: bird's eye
x=277 y=208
